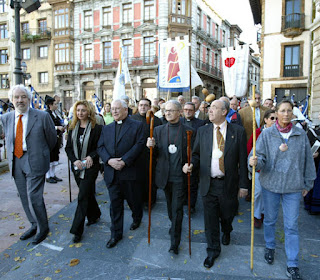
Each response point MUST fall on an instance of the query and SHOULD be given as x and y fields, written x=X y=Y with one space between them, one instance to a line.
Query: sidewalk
x=134 y=259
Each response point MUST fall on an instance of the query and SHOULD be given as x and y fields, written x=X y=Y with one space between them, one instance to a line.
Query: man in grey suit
x=30 y=135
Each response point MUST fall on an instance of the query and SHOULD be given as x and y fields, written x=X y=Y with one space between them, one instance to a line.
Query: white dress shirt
x=196 y=115
x=24 y=120
x=215 y=170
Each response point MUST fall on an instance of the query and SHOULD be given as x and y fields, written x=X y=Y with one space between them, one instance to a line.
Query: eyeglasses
x=170 y=111
x=273 y=118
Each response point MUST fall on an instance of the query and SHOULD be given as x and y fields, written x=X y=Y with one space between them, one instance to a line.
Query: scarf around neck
x=284 y=129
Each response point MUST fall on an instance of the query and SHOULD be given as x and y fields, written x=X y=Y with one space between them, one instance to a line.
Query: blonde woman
x=81 y=150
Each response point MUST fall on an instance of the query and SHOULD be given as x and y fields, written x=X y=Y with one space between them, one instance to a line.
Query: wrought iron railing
x=208 y=68
x=35 y=34
x=291 y=71
x=294 y=20
x=180 y=19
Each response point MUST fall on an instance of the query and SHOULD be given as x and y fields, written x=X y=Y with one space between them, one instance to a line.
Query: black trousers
x=217 y=207
x=87 y=203
x=119 y=191
x=175 y=196
x=194 y=190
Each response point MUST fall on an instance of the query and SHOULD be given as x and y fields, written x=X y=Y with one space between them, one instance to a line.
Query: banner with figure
x=235 y=62
x=174 y=70
x=122 y=77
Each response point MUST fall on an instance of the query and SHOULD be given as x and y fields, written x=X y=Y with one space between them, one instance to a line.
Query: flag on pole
x=122 y=77
x=195 y=78
x=1 y=109
x=275 y=100
x=305 y=106
x=235 y=70
x=97 y=103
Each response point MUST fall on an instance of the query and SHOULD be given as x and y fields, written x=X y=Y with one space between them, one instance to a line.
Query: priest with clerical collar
x=170 y=143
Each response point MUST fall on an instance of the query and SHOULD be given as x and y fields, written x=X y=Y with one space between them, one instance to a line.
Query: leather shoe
x=208 y=262
x=112 y=242
x=40 y=237
x=29 y=233
x=76 y=238
x=174 y=249
x=51 y=180
x=226 y=239
x=57 y=179
x=135 y=225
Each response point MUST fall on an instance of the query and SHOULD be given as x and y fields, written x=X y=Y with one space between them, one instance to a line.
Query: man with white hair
x=199 y=114
x=119 y=146
x=30 y=135
x=126 y=99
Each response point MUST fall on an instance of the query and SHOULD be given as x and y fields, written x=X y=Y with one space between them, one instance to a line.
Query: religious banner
x=174 y=69
x=235 y=62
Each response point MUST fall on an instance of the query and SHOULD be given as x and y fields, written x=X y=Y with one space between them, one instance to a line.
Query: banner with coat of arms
x=174 y=69
x=235 y=70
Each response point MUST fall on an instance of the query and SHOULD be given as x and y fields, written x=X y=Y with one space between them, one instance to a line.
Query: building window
x=216 y=60
x=107 y=16
x=3 y=31
x=127 y=49
x=293 y=14
x=62 y=53
x=208 y=57
x=148 y=10
x=198 y=51
x=127 y=14
x=179 y=7
x=291 y=61
x=216 y=32
x=88 y=20
x=4 y=81
x=209 y=25
x=149 y=49
x=107 y=53
x=26 y=54
x=88 y=55
x=42 y=26
x=199 y=16
x=43 y=78
x=3 y=56
x=61 y=22
x=3 y=6
x=25 y=28
x=223 y=37
x=43 y=51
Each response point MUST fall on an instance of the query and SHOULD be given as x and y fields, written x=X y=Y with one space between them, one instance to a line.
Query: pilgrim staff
x=150 y=121
x=189 y=134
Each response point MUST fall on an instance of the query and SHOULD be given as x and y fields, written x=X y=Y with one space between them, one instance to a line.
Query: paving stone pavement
x=134 y=259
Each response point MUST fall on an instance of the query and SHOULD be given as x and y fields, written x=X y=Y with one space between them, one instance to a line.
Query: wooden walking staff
x=189 y=134
x=253 y=106
x=150 y=121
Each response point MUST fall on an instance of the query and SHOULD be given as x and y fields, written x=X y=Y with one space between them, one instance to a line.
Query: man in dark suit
x=190 y=120
x=30 y=135
x=143 y=160
x=199 y=114
x=223 y=169
x=170 y=142
x=119 y=146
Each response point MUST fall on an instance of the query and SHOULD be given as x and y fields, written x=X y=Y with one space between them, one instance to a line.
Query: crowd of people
x=117 y=143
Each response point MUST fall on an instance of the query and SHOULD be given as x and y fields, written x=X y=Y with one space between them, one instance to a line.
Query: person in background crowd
x=81 y=150
x=143 y=160
x=52 y=106
x=119 y=146
x=181 y=100
x=220 y=153
x=30 y=135
x=234 y=103
x=155 y=109
x=170 y=143
x=204 y=107
x=107 y=116
x=199 y=115
x=155 y=101
x=269 y=119
x=190 y=120
x=233 y=116
x=268 y=103
x=160 y=113
x=285 y=173
x=126 y=99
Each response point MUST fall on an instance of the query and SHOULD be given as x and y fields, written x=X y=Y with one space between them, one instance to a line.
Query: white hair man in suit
x=30 y=135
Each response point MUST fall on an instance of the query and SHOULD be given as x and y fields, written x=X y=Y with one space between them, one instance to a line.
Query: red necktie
x=18 y=150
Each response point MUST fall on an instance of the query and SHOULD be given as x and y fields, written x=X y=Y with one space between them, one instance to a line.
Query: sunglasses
x=273 y=118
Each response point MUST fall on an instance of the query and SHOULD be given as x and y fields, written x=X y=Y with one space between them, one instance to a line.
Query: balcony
x=179 y=24
x=205 y=67
x=292 y=25
x=179 y=19
x=291 y=71
x=111 y=64
x=36 y=34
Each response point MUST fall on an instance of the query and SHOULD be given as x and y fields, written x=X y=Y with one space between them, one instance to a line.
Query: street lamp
x=24 y=72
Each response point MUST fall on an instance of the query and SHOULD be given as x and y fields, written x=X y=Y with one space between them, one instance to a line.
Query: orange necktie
x=18 y=150
x=220 y=142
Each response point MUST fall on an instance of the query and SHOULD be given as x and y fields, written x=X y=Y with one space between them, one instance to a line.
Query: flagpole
x=190 y=93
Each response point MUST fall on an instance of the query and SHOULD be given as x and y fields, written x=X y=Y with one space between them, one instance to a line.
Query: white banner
x=195 y=78
x=235 y=70
x=174 y=71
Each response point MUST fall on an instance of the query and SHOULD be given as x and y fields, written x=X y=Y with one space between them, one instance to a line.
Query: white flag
x=122 y=77
x=195 y=78
x=235 y=70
